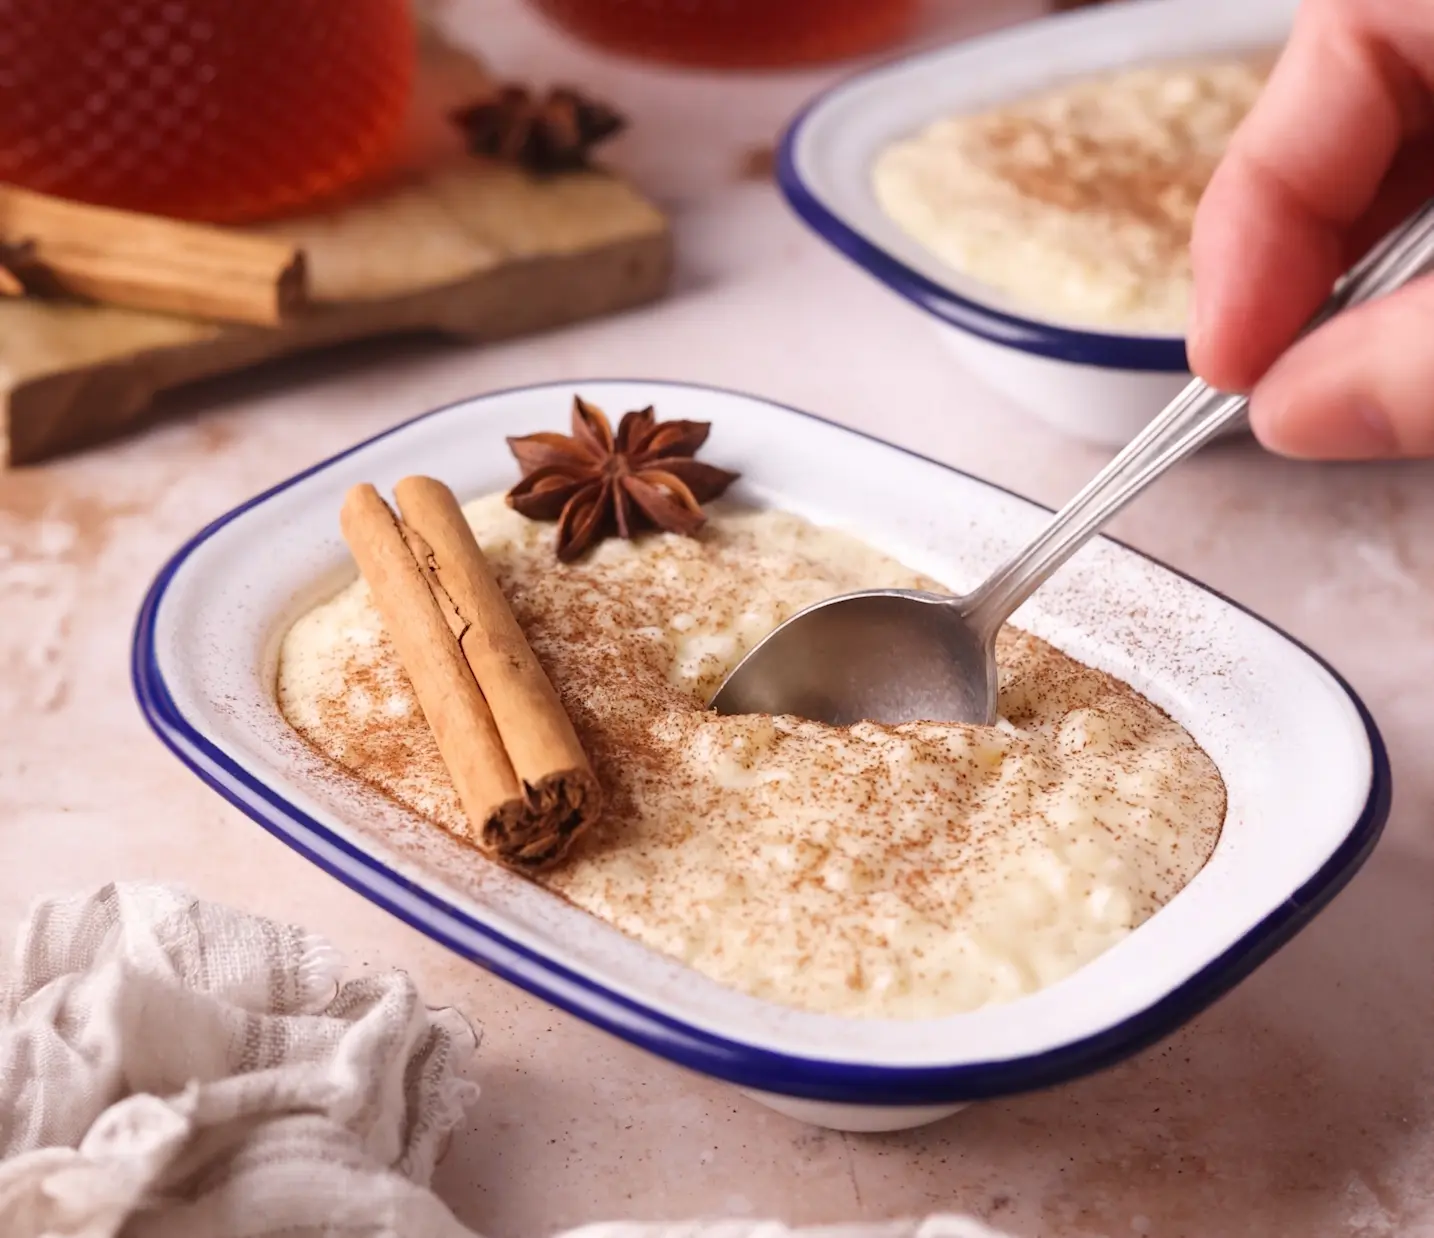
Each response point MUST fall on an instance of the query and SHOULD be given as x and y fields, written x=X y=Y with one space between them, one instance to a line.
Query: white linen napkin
x=171 y=1068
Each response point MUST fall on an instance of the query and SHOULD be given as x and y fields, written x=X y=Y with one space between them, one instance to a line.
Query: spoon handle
x=1197 y=415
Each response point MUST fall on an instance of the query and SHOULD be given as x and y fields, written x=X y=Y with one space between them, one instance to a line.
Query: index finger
x=1270 y=236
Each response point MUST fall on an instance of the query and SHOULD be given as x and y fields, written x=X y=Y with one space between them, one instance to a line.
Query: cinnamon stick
x=149 y=262
x=515 y=760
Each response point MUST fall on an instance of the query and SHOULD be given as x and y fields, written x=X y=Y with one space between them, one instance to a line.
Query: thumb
x=1361 y=387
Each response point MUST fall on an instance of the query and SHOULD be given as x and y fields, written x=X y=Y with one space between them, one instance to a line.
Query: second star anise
x=554 y=133
x=595 y=482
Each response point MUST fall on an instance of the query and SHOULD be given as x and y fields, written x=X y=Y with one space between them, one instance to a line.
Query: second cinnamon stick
x=150 y=262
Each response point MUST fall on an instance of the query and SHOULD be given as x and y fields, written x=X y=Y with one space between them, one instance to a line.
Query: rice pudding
x=905 y=872
x=1077 y=203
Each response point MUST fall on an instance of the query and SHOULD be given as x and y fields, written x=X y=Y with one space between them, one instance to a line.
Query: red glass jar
x=736 y=33
x=218 y=110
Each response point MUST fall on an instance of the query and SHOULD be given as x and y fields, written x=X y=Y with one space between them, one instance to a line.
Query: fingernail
x=1372 y=432
x=1357 y=431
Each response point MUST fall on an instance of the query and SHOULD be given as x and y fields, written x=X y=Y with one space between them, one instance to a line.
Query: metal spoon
x=898 y=655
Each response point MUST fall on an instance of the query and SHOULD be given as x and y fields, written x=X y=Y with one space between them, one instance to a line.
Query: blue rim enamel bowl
x=1097 y=385
x=1305 y=770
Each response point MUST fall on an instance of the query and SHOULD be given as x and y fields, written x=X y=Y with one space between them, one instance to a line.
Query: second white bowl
x=1101 y=386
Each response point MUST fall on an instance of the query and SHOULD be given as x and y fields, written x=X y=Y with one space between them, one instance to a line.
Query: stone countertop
x=1302 y=1104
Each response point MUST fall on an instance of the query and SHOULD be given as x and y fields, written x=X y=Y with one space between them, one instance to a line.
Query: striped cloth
x=171 y=1068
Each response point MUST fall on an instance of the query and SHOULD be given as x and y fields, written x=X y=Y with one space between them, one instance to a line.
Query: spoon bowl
x=881 y=655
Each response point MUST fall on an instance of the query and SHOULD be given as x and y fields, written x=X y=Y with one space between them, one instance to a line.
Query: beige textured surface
x=1302 y=1106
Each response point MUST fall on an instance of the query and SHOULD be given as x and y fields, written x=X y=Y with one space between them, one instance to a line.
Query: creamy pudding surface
x=1076 y=203
x=903 y=872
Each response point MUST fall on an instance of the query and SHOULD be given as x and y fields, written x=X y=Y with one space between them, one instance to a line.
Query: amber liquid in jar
x=736 y=33
x=218 y=110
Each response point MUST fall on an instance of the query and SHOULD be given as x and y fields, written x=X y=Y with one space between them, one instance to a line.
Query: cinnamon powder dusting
x=879 y=871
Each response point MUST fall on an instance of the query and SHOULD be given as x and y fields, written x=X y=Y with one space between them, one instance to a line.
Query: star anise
x=594 y=482
x=551 y=134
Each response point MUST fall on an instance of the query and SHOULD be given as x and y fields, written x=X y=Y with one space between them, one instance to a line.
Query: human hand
x=1336 y=151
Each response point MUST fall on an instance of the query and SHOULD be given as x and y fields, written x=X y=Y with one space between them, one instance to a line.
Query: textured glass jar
x=220 y=110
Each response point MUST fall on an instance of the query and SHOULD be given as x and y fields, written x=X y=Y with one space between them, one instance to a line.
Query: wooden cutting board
x=447 y=243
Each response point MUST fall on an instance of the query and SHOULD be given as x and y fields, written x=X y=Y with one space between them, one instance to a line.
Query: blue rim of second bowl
x=1105 y=350
x=743 y=1064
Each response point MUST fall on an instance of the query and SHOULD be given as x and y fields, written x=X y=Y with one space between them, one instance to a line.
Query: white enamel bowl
x=1101 y=386
x=1306 y=771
